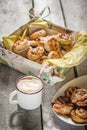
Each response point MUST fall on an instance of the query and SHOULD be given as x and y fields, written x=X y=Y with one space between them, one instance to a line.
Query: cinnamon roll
x=21 y=47
x=79 y=97
x=64 y=38
x=62 y=105
x=82 y=103
x=37 y=34
x=70 y=90
x=51 y=44
x=79 y=115
x=35 y=53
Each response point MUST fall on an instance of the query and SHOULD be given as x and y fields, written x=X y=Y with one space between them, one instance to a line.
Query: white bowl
x=79 y=82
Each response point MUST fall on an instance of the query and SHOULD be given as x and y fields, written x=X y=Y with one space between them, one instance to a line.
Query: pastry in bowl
x=70 y=90
x=79 y=97
x=37 y=34
x=51 y=44
x=79 y=115
x=21 y=47
x=40 y=45
x=64 y=38
x=73 y=103
x=35 y=53
x=62 y=105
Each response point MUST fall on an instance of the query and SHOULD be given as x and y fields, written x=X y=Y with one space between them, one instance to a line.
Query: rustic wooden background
x=13 y=14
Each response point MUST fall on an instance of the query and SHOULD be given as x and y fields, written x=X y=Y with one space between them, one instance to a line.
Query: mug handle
x=11 y=100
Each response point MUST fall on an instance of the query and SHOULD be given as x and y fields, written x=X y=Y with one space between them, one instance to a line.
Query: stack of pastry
x=72 y=104
x=39 y=46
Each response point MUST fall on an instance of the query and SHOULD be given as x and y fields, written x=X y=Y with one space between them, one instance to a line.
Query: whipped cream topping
x=29 y=85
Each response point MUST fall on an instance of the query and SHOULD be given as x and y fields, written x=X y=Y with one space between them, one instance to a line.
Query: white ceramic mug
x=27 y=100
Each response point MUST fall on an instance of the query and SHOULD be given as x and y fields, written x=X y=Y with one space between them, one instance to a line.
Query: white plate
x=80 y=82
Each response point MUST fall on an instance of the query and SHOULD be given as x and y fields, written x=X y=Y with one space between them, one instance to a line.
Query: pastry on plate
x=79 y=115
x=79 y=97
x=70 y=90
x=62 y=105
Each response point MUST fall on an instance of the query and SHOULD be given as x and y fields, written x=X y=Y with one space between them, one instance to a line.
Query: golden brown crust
x=21 y=47
x=64 y=38
x=37 y=34
x=53 y=49
x=82 y=103
x=35 y=53
x=79 y=97
x=77 y=109
x=79 y=115
x=70 y=90
x=62 y=106
x=53 y=55
x=51 y=44
x=62 y=109
x=33 y=43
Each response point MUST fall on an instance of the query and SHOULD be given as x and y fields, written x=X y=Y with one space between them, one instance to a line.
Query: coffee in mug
x=28 y=91
x=29 y=85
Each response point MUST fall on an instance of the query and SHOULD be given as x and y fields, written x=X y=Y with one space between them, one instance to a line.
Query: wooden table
x=13 y=14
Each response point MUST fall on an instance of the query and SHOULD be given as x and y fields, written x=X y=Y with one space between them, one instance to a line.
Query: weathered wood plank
x=75 y=12
x=82 y=68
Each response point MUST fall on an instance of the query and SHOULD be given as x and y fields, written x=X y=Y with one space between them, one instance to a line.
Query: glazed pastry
x=35 y=53
x=64 y=38
x=62 y=105
x=70 y=90
x=79 y=115
x=63 y=99
x=51 y=44
x=21 y=47
x=79 y=97
x=82 y=103
x=33 y=43
x=73 y=104
x=41 y=43
x=37 y=34
x=53 y=55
